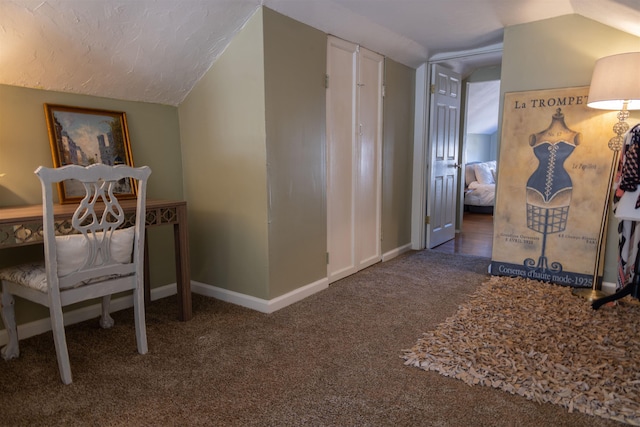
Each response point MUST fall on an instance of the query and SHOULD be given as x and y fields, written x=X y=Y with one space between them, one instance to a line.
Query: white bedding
x=480 y=194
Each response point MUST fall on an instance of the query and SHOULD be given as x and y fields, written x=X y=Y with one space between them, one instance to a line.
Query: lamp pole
x=615 y=144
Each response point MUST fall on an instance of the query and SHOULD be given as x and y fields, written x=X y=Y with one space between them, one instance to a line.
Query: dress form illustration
x=549 y=187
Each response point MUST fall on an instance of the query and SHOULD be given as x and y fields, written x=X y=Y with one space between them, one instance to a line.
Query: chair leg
x=57 y=326
x=106 y=321
x=138 y=312
x=12 y=349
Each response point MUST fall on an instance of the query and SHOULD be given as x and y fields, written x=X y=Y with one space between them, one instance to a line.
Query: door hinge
x=326 y=81
x=383 y=90
x=427 y=219
x=327 y=258
x=433 y=89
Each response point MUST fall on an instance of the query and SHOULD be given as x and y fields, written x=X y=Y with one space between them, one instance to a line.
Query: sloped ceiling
x=156 y=50
x=484 y=99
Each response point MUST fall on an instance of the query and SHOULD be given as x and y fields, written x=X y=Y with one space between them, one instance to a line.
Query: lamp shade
x=615 y=80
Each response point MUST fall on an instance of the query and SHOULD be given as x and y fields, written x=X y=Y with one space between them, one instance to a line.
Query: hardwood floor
x=476 y=237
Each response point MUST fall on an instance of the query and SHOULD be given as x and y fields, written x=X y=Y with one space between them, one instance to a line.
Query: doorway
x=475 y=239
x=479 y=147
x=476 y=65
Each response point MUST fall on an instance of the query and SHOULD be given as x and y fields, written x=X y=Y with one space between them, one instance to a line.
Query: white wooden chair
x=98 y=259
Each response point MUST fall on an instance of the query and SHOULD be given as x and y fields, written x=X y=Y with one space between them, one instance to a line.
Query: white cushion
x=469 y=173
x=483 y=173
x=73 y=250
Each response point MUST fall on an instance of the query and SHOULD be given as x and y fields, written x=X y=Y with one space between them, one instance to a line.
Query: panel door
x=341 y=146
x=368 y=158
x=444 y=128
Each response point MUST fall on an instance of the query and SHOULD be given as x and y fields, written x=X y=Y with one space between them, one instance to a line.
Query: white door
x=341 y=145
x=354 y=135
x=444 y=126
x=368 y=158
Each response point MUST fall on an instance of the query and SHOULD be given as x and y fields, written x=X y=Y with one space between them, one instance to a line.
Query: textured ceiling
x=142 y=50
x=156 y=50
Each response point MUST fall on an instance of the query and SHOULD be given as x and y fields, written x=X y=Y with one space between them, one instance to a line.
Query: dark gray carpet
x=334 y=359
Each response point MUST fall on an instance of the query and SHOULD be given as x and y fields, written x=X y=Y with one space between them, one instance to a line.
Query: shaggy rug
x=539 y=341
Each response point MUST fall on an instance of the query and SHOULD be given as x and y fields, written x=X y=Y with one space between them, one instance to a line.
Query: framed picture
x=552 y=186
x=84 y=136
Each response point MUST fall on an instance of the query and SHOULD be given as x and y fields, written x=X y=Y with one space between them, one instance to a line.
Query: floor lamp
x=615 y=85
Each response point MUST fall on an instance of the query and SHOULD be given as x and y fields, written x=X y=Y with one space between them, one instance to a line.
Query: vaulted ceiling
x=156 y=50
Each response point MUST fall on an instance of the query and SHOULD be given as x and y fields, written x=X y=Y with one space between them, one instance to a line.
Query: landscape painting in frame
x=84 y=136
x=553 y=183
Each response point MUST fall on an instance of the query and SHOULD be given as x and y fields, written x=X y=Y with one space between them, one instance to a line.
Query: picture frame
x=550 y=190
x=84 y=136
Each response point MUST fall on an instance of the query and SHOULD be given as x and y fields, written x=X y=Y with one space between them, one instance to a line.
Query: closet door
x=354 y=134
x=368 y=158
x=341 y=145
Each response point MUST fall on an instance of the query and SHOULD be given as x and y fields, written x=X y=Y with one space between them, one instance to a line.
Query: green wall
x=397 y=155
x=254 y=150
x=246 y=149
x=295 y=66
x=223 y=134
x=24 y=145
x=557 y=53
x=485 y=74
x=253 y=139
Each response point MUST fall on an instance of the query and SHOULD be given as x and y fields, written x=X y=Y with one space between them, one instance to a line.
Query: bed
x=480 y=186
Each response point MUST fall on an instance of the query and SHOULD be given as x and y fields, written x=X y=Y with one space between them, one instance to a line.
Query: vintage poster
x=553 y=183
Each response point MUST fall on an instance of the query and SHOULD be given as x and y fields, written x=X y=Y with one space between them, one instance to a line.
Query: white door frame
x=421 y=140
x=420 y=159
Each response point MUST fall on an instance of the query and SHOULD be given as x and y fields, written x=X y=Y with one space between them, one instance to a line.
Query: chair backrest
x=96 y=246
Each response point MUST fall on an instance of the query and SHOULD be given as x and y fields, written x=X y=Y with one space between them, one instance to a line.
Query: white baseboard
x=265 y=306
x=38 y=327
x=270 y=306
x=608 y=287
x=259 y=304
x=396 y=252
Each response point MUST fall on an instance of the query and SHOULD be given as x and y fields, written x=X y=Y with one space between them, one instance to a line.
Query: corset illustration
x=549 y=187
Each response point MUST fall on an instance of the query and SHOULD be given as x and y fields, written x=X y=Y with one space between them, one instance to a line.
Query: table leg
x=183 y=270
x=147 y=279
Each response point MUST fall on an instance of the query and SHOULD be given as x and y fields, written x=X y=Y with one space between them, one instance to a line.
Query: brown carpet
x=334 y=359
x=539 y=341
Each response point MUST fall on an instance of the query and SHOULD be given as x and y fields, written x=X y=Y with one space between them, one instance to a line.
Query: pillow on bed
x=483 y=173
x=469 y=173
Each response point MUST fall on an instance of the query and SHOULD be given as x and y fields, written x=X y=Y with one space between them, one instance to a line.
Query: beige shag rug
x=539 y=341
